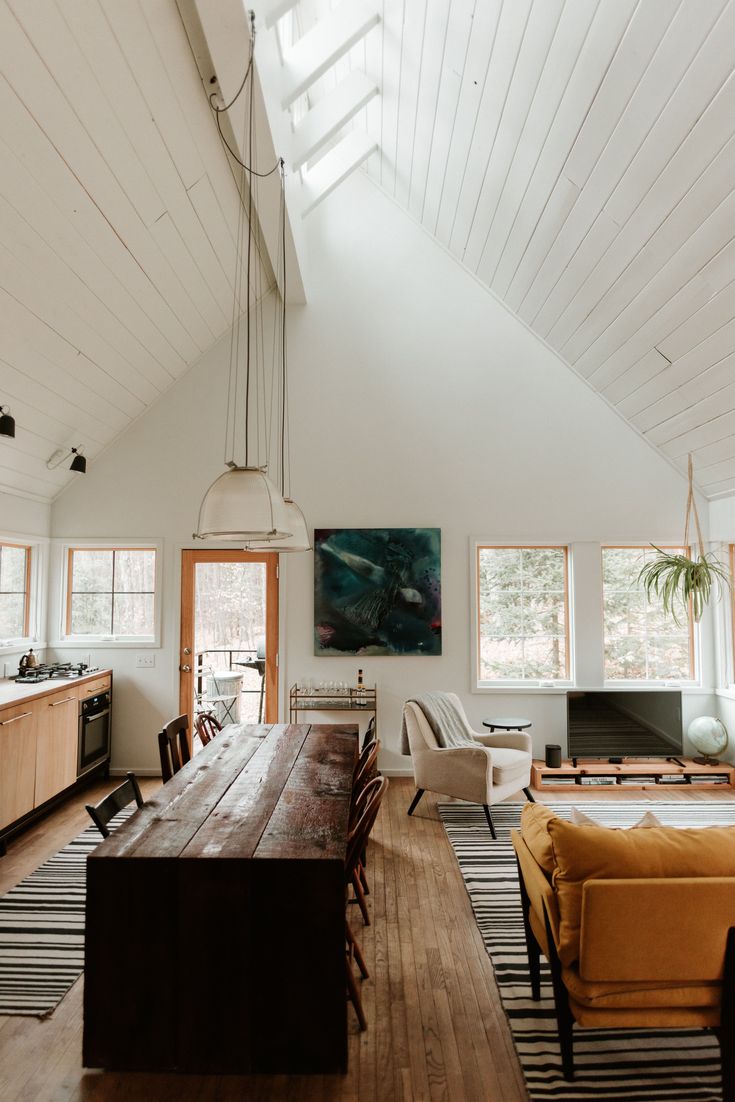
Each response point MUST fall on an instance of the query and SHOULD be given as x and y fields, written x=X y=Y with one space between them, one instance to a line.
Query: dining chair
x=207 y=726
x=119 y=798
x=173 y=746
x=367 y=812
x=365 y=771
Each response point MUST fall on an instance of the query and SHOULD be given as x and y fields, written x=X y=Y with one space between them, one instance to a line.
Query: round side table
x=507 y=723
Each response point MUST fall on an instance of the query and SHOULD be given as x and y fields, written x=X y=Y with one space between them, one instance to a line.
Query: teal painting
x=377 y=591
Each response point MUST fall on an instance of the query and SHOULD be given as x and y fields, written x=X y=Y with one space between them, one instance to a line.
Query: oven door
x=94 y=732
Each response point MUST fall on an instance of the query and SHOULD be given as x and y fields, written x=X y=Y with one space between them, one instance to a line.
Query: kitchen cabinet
x=17 y=762
x=57 y=739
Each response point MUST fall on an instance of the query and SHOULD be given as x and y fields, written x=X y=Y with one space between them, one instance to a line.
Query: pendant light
x=243 y=503
x=7 y=422
x=299 y=538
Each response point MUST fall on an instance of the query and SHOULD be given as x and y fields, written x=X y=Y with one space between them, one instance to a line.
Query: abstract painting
x=377 y=591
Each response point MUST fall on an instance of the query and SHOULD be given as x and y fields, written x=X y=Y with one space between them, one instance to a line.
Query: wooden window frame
x=530 y=681
x=28 y=548
x=690 y=622
x=112 y=637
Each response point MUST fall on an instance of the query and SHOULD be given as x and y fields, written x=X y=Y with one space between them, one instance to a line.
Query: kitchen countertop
x=12 y=692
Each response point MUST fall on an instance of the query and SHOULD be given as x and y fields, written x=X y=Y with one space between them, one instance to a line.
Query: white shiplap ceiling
x=579 y=158
x=118 y=217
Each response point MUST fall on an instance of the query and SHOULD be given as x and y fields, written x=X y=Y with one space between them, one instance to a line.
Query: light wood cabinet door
x=17 y=762
x=57 y=738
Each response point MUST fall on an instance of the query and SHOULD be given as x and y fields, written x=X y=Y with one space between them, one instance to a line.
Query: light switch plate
x=145 y=661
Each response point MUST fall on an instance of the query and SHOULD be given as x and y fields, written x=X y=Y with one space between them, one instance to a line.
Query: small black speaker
x=553 y=756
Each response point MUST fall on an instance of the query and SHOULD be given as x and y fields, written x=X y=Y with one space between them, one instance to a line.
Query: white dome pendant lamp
x=243 y=504
x=295 y=519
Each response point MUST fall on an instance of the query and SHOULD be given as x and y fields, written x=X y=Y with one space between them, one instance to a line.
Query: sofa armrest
x=464 y=772
x=506 y=740
x=541 y=895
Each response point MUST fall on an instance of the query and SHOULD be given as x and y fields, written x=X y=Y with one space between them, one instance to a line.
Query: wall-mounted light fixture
x=78 y=463
x=7 y=423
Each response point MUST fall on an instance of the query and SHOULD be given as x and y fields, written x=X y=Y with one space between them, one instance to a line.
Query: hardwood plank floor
x=436 y=1030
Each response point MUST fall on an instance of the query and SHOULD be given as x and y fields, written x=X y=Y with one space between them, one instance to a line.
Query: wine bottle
x=360 y=691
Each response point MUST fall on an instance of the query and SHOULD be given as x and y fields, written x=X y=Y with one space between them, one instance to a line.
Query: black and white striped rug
x=42 y=929
x=666 y=1065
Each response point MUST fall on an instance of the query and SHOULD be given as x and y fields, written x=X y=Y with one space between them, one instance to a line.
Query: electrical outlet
x=11 y=668
x=145 y=661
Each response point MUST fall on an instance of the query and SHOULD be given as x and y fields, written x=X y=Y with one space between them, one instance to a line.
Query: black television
x=622 y=724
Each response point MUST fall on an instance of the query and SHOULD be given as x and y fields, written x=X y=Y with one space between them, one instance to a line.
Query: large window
x=523 y=614
x=111 y=592
x=641 y=643
x=15 y=591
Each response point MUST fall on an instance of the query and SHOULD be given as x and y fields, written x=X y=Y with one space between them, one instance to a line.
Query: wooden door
x=57 y=743
x=187 y=658
x=17 y=762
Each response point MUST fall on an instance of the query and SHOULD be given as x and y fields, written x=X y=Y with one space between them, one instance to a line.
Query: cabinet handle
x=23 y=715
x=64 y=701
x=91 y=692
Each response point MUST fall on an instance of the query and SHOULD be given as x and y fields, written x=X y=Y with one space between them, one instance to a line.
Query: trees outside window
x=523 y=619
x=111 y=592
x=641 y=642
x=15 y=573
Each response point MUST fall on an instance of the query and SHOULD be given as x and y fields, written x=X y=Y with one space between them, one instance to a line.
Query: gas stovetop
x=53 y=672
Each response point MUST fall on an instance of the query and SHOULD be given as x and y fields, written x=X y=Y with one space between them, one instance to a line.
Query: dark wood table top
x=284 y=796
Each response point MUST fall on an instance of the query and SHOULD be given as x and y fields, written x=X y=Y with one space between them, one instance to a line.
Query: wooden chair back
x=369 y=735
x=173 y=746
x=119 y=798
x=207 y=726
x=366 y=812
x=365 y=770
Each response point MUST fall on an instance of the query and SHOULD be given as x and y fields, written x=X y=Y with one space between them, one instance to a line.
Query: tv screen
x=644 y=724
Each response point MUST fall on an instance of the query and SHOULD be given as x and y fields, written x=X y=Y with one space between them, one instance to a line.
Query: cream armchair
x=498 y=766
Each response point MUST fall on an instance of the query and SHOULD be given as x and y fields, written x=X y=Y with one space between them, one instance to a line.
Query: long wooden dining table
x=214 y=937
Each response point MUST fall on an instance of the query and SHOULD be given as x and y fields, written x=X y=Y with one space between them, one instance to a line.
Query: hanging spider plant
x=684 y=583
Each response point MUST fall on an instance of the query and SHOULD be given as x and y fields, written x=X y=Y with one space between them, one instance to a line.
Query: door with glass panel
x=229 y=636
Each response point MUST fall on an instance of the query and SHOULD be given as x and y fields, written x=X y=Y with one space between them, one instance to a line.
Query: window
x=111 y=592
x=641 y=643
x=523 y=614
x=15 y=591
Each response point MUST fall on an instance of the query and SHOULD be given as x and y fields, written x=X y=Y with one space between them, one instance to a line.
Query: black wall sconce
x=78 y=463
x=7 y=423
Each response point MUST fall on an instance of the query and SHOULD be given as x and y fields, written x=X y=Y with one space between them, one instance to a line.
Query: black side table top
x=507 y=723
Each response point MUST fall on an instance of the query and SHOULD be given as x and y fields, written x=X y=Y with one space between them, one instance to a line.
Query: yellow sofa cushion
x=597 y=853
x=535 y=819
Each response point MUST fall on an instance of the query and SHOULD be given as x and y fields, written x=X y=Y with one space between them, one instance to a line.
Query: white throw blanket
x=448 y=723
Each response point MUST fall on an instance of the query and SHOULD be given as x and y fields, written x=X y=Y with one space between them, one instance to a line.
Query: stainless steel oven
x=94 y=732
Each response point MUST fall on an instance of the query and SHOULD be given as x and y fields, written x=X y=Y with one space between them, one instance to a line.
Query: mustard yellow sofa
x=638 y=926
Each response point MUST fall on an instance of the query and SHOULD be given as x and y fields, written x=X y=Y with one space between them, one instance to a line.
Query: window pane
x=545 y=658
x=522 y=613
x=133 y=614
x=12 y=569
x=135 y=570
x=92 y=571
x=501 y=658
x=500 y=567
x=543 y=568
x=91 y=614
x=12 y=615
x=641 y=641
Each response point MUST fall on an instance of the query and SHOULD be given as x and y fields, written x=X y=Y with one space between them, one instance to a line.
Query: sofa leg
x=529 y=795
x=415 y=800
x=726 y=1032
x=564 y=1016
x=490 y=822
x=532 y=947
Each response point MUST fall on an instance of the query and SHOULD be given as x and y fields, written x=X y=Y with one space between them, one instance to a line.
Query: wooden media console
x=656 y=773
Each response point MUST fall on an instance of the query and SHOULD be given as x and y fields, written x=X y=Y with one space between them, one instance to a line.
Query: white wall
x=417 y=400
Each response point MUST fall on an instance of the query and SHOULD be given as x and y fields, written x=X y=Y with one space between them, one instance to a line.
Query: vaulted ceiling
x=118 y=218
x=577 y=156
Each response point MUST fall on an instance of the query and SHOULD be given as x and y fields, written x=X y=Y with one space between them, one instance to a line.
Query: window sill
x=727 y=694
x=104 y=642
x=22 y=644
x=532 y=689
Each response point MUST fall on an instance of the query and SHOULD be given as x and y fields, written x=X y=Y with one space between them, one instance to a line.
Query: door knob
x=185 y=669
x=187 y=650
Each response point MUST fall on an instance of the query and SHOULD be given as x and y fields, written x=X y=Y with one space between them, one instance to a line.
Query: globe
x=708 y=735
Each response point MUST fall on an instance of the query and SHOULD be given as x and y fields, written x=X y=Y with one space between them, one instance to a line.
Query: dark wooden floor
x=436 y=1028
